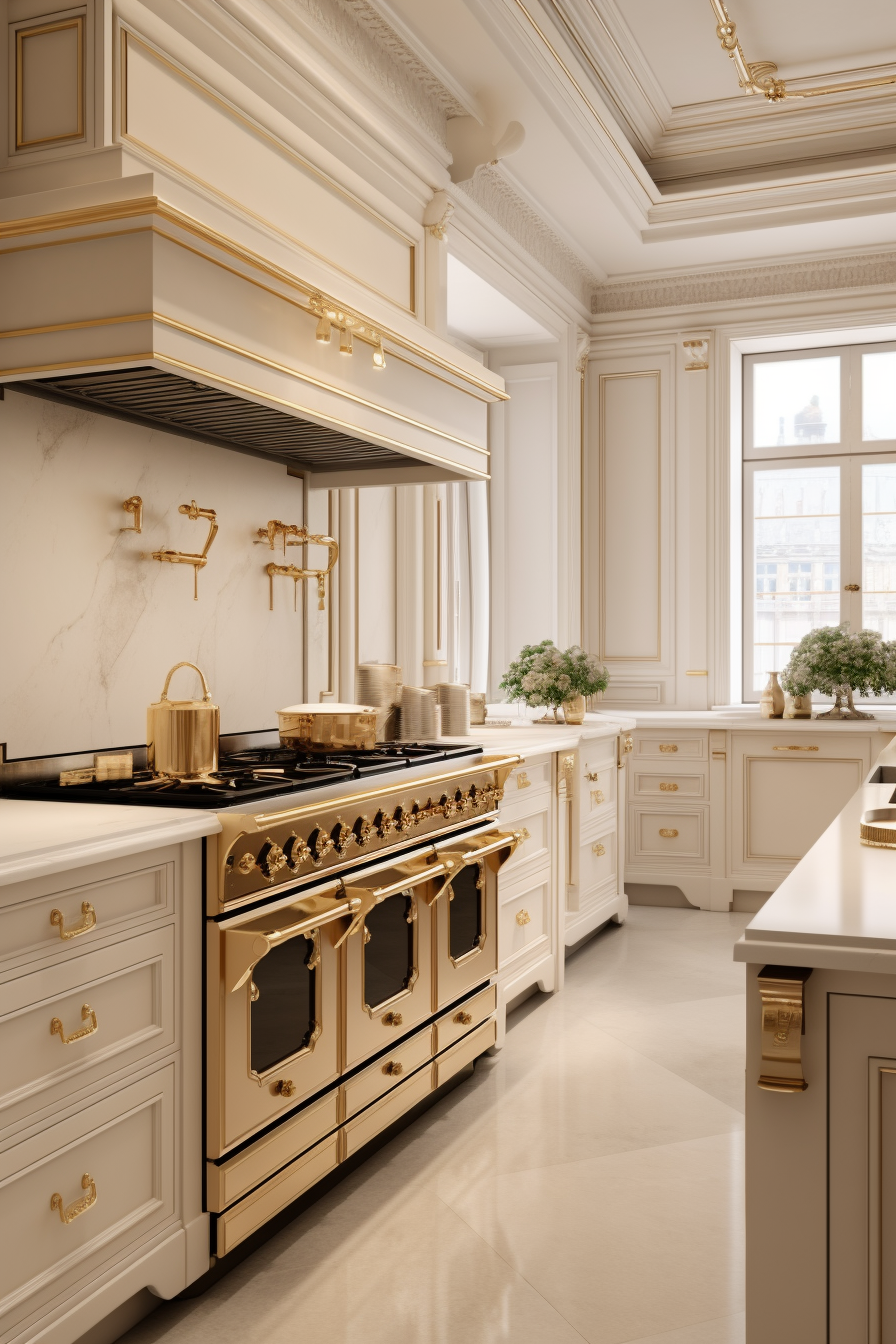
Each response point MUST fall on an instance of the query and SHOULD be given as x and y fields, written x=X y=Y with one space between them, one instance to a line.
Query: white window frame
x=849 y=453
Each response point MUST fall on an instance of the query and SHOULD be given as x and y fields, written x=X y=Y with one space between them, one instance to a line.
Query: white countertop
x=837 y=909
x=533 y=739
x=38 y=837
x=749 y=718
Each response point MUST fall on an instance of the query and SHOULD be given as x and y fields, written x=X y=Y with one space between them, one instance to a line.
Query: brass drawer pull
x=285 y=1087
x=596 y=797
x=522 y=780
x=668 y=833
x=794 y=748
x=68 y=1215
x=523 y=917
x=393 y=1068
x=668 y=746
x=599 y=850
x=463 y=1019
x=669 y=788
x=57 y=919
x=851 y=587
x=592 y=775
x=87 y=1015
x=392 y=1019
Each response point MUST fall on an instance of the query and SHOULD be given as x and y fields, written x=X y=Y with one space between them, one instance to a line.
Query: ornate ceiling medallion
x=760 y=76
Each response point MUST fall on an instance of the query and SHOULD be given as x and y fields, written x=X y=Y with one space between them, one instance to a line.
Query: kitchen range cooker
x=351 y=942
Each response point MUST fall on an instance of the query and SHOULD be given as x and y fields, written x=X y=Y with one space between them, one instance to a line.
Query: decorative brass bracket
x=193 y=512
x=783 y=1024
x=293 y=535
x=133 y=505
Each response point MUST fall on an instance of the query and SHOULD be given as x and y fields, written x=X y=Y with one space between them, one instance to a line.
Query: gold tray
x=877 y=828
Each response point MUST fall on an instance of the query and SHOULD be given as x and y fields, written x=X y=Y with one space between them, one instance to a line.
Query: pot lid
x=328 y=708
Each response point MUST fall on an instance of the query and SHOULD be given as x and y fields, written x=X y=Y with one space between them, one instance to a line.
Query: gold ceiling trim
x=761 y=76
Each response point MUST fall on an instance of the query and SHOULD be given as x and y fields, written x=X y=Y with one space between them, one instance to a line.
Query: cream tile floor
x=585 y=1184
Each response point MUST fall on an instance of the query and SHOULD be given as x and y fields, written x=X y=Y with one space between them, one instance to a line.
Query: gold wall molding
x=78 y=22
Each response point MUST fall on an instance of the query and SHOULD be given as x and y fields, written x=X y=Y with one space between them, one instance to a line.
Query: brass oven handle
x=68 y=1215
x=57 y=919
x=463 y=1019
x=87 y=1015
x=393 y=1068
x=245 y=947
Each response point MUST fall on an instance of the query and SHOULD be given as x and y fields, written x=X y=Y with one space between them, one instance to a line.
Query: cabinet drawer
x=597 y=862
x=377 y=1118
x=470 y=1048
x=523 y=920
x=255 y=1210
x=469 y=1014
x=671 y=747
x=53 y=915
x=386 y=1073
x=112 y=1006
x=536 y=848
x=531 y=775
x=662 y=784
x=230 y=1180
x=74 y=1195
x=669 y=835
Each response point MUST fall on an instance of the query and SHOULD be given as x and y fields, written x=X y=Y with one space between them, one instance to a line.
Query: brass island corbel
x=783 y=1025
x=194 y=513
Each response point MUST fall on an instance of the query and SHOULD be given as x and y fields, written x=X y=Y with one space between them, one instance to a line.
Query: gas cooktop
x=244 y=776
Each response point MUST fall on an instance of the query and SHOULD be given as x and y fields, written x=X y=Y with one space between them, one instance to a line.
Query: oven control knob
x=246 y=864
x=285 y=1087
x=296 y=852
x=392 y=1020
x=271 y=859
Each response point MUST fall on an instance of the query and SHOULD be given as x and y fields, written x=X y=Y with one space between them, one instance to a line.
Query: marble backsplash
x=90 y=624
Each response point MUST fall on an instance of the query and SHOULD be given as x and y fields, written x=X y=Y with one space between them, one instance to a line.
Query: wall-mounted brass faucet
x=293 y=535
x=133 y=505
x=194 y=513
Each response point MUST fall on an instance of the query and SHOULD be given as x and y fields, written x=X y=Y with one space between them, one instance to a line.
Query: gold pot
x=182 y=735
x=328 y=727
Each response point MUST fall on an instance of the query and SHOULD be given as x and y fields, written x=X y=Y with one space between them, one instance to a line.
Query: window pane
x=879 y=395
x=796 y=401
x=879 y=548
x=796 y=560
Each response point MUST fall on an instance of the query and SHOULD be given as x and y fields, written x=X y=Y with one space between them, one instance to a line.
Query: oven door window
x=466 y=913
x=390 y=960
x=283 y=1002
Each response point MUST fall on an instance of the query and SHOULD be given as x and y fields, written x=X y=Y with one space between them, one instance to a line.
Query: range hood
x=136 y=310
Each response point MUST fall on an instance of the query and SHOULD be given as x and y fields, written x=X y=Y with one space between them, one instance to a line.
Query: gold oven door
x=273 y=1034
x=465 y=913
x=388 y=959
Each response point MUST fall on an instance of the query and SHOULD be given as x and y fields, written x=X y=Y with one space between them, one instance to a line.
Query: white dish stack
x=379 y=684
x=421 y=718
x=454 y=701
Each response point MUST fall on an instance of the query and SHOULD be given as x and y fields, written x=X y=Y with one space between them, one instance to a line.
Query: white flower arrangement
x=546 y=675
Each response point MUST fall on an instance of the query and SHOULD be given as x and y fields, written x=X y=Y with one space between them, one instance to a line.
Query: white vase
x=771 y=702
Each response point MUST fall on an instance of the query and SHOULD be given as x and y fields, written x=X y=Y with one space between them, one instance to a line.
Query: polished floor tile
x=584 y=1184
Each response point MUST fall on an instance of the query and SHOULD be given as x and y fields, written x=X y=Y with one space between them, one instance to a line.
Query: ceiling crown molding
x=494 y=195
x=754 y=282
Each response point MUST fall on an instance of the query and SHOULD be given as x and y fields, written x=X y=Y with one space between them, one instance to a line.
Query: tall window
x=819 y=499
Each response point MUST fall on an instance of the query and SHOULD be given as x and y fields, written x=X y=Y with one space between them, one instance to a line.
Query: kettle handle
x=208 y=694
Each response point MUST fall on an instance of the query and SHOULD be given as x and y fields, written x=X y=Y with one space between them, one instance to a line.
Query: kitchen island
x=821 y=1127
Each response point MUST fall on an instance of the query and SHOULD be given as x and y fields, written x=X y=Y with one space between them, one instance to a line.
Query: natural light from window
x=796 y=401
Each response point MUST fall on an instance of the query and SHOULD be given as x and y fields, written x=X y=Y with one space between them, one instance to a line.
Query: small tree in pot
x=840 y=664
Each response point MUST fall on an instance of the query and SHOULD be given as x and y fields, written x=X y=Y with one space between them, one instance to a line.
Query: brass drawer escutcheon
x=88 y=922
x=87 y=1015
x=592 y=775
x=668 y=746
x=794 y=748
x=523 y=917
x=597 y=797
x=393 y=1068
x=669 y=788
x=392 y=1019
x=668 y=833
x=783 y=1025
x=599 y=850
x=68 y=1215
x=522 y=780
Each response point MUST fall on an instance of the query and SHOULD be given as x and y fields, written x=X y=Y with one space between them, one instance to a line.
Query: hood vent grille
x=150 y=396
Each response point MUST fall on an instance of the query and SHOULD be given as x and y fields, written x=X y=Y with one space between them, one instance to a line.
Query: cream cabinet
x=100 y=1093
x=713 y=811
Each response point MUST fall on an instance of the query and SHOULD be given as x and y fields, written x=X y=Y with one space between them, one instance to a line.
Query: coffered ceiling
x=642 y=152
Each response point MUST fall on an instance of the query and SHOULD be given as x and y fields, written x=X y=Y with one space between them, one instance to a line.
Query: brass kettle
x=182 y=735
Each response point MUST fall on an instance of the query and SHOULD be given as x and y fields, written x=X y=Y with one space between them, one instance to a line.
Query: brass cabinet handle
x=88 y=922
x=592 y=775
x=463 y=1019
x=393 y=1068
x=668 y=746
x=794 y=748
x=668 y=833
x=285 y=1087
x=851 y=587
x=87 y=1015
x=522 y=780
x=669 y=788
x=68 y=1215
x=596 y=797
x=392 y=1019
x=598 y=849
x=523 y=917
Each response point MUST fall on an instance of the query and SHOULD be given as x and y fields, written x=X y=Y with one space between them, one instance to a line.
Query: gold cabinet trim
x=77 y=21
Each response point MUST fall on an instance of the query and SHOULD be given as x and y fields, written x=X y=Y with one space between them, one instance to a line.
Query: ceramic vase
x=798 y=706
x=771 y=702
x=574 y=709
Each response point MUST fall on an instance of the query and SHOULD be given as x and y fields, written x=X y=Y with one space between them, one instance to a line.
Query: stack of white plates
x=455 y=705
x=420 y=714
x=379 y=684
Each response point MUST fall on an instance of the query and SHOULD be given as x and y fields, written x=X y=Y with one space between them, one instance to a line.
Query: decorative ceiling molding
x=754 y=282
x=494 y=195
